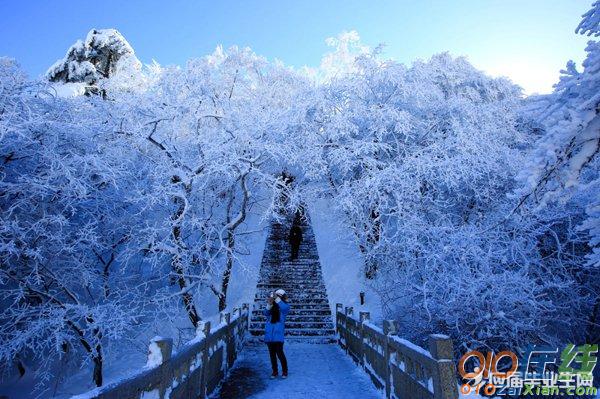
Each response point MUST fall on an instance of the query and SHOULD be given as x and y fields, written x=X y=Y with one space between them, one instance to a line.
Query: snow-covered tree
x=67 y=213
x=420 y=161
x=214 y=133
x=571 y=118
x=564 y=168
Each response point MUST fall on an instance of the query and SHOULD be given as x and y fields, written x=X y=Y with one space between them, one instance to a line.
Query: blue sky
x=526 y=40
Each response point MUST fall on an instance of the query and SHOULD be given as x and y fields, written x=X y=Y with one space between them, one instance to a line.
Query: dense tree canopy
x=475 y=210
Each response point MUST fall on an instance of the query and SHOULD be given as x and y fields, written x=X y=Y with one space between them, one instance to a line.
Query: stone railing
x=399 y=367
x=193 y=372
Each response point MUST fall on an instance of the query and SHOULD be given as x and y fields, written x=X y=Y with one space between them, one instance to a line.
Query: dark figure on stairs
x=276 y=311
x=295 y=239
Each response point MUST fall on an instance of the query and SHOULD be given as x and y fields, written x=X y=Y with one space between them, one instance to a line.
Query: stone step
x=299 y=332
x=296 y=302
x=292 y=270
x=302 y=279
x=302 y=321
x=282 y=235
x=305 y=306
x=292 y=283
x=292 y=326
x=294 y=296
x=282 y=279
x=296 y=319
x=260 y=306
x=332 y=339
x=296 y=299
x=275 y=278
x=291 y=287
x=281 y=248
x=282 y=232
x=300 y=284
x=279 y=266
x=305 y=313
x=291 y=274
x=284 y=252
x=300 y=312
x=281 y=243
x=283 y=273
x=278 y=240
x=299 y=301
x=296 y=281
x=268 y=286
x=283 y=260
x=286 y=265
x=284 y=255
x=275 y=284
x=291 y=290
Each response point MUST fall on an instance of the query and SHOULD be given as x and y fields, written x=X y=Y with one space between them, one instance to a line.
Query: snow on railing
x=402 y=368
x=193 y=372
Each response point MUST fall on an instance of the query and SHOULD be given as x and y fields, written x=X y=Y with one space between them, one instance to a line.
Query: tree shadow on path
x=243 y=381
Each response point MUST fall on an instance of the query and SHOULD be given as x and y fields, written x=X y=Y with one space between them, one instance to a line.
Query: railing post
x=204 y=329
x=246 y=314
x=159 y=351
x=338 y=307
x=225 y=317
x=363 y=317
x=235 y=331
x=444 y=381
x=390 y=327
x=348 y=310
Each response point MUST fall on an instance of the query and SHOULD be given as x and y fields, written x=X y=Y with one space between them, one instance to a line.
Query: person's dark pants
x=276 y=351
x=295 y=249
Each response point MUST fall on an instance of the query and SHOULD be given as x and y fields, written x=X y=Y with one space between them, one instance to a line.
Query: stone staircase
x=310 y=315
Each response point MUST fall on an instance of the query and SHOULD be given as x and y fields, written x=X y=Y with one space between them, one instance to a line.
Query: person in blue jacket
x=276 y=311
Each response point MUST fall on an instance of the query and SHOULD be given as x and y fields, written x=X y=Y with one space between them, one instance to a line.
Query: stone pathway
x=320 y=371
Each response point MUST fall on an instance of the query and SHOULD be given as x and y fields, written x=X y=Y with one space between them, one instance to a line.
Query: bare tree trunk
x=231 y=226
x=98 y=370
x=227 y=273
x=21 y=368
x=177 y=264
x=95 y=353
x=373 y=237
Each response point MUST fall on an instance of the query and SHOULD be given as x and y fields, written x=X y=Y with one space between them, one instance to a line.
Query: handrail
x=402 y=368
x=193 y=372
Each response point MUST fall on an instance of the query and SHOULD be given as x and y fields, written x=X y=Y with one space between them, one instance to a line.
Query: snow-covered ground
x=315 y=371
x=245 y=271
x=341 y=262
